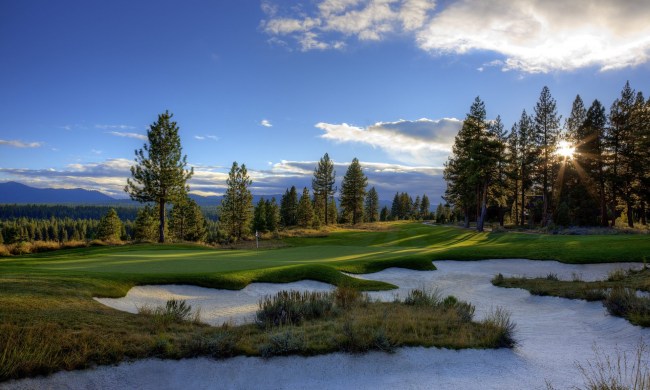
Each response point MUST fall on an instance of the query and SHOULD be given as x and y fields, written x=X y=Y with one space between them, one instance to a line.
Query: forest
x=592 y=170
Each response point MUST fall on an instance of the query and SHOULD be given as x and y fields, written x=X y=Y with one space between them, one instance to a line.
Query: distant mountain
x=12 y=192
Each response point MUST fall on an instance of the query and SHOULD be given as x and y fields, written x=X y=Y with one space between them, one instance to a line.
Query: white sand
x=554 y=333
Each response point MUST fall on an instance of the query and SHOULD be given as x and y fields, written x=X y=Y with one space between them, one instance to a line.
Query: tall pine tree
x=159 y=174
x=323 y=185
x=353 y=191
x=237 y=202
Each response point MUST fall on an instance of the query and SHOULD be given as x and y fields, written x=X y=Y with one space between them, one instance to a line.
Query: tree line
x=159 y=179
x=588 y=171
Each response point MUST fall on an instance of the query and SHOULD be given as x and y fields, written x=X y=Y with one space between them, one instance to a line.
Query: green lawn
x=48 y=296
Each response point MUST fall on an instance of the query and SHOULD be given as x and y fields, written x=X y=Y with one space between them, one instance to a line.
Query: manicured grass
x=47 y=310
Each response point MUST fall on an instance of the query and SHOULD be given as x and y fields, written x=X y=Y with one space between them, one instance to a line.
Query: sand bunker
x=553 y=334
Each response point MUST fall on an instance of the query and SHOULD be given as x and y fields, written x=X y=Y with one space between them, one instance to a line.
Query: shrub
x=345 y=296
x=616 y=275
x=292 y=307
x=423 y=297
x=499 y=323
x=283 y=343
x=173 y=311
x=623 y=302
x=497 y=279
x=357 y=338
x=552 y=276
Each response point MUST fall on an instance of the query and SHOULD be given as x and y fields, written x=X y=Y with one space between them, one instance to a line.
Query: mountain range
x=18 y=193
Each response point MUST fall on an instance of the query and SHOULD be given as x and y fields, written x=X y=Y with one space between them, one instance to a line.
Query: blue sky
x=276 y=84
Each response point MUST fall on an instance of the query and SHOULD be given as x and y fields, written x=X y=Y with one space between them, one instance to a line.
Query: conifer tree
x=159 y=174
x=353 y=191
x=289 y=207
x=187 y=222
x=146 y=225
x=272 y=215
x=547 y=129
x=425 y=207
x=237 y=203
x=371 y=209
x=259 y=216
x=110 y=227
x=305 y=210
x=385 y=214
x=323 y=185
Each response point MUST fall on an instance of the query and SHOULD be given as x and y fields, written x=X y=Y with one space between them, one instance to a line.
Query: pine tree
x=425 y=207
x=332 y=211
x=305 y=210
x=385 y=214
x=187 y=221
x=259 y=216
x=289 y=207
x=323 y=185
x=395 y=210
x=415 y=212
x=527 y=158
x=547 y=129
x=159 y=174
x=589 y=159
x=145 y=226
x=353 y=191
x=371 y=208
x=500 y=186
x=110 y=227
x=272 y=215
x=237 y=203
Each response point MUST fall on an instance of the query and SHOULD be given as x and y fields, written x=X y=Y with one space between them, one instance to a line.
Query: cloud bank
x=20 y=144
x=423 y=141
x=531 y=36
x=110 y=176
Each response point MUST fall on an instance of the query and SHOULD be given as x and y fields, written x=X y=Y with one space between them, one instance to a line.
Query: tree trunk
x=644 y=221
x=481 y=218
x=326 y=201
x=630 y=214
x=466 y=222
x=161 y=229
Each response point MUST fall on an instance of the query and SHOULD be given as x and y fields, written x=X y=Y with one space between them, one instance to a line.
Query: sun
x=565 y=150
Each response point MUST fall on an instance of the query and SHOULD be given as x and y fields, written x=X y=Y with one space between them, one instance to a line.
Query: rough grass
x=618 y=292
x=49 y=321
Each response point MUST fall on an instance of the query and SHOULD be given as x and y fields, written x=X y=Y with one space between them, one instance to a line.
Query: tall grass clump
x=624 y=302
x=620 y=371
x=292 y=307
x=283 y=343
x=501 y=327
x=174 y=311
x=423 y=297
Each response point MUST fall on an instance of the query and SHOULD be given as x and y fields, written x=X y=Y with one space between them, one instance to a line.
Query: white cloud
x=204 y=137
x=544 y=35
x=423 y=141
x=333 y=21
x=21 y=144
x=128 y=135
x=114 y=127
x=530 y=36
x=266 y=123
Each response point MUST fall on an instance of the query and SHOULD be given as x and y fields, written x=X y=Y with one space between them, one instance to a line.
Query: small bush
x=499 y=322
x=623 y=302
x=358 y=338
x=423 y=297
x=283 y=343
x=552 y=276
x=616 y=275
x=576 y=277
x=221 y=345
x=497 y=279
x=173 y=311
x=346 y=297
x=292 y=307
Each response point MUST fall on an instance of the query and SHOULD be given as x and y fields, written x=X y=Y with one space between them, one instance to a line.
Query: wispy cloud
x=266 y=123
x=529 y=36
x=423 y=141
x=128 y=135
x=115 y=127
x=21 y=144
x=334 y=21
x=204 y=137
